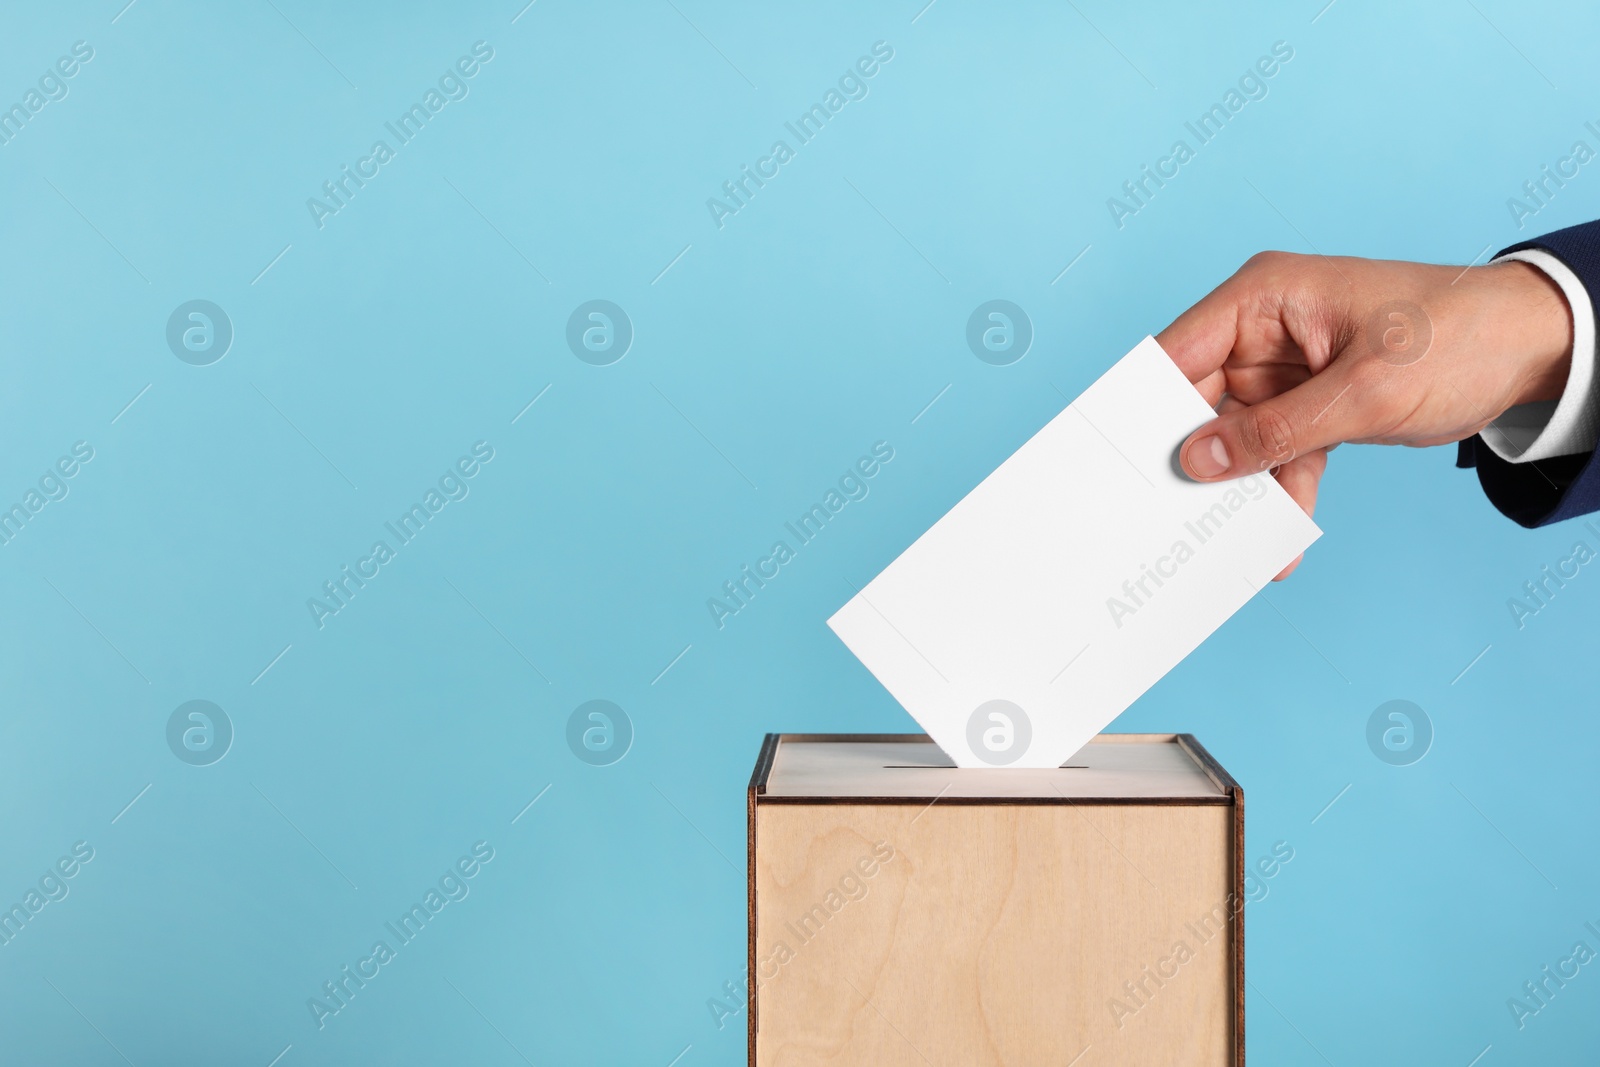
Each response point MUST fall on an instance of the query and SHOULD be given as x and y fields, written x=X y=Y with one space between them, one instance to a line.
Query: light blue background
x=820 y=319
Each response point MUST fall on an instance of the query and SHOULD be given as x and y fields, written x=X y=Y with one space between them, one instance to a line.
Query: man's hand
x=1300 y=353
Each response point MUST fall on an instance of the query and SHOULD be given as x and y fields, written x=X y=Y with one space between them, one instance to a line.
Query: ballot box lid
x=900 y=768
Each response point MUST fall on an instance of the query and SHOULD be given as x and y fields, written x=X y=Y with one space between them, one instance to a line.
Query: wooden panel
x=994 y=935
x=1123 y=767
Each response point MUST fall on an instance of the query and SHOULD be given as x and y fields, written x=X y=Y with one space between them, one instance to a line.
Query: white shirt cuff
x=1564 y=427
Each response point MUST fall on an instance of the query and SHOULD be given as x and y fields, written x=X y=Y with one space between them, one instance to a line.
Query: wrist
x=1535 y=324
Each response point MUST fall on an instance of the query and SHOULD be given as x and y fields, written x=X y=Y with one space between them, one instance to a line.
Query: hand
x=1300 y=353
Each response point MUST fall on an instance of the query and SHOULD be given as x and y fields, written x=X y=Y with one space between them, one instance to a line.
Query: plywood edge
x=1238 y=924
x=757 y=782
x=1235 y=794
x=947 y=801
x=758 y=785
x=763 y=770
x=773 y=782
x=872 y=738
x=1207 y=763
x=914 y=738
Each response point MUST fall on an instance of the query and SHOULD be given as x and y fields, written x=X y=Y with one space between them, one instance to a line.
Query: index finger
x=1199 y=340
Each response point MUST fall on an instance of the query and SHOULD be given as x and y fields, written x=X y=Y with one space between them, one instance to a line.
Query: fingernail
x=1208 y=457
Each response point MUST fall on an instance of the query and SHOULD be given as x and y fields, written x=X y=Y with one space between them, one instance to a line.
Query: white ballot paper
x=1073 y=578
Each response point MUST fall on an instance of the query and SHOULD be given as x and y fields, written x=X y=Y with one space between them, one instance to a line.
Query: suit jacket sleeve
x=1548 y=490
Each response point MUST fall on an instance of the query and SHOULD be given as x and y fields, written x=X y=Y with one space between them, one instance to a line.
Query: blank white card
x=1073 y=578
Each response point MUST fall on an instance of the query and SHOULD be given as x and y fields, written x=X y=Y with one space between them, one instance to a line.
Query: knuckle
x=1268 y=436
x=1269 y=261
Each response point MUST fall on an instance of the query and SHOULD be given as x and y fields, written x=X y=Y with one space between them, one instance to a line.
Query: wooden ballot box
x=903 y=911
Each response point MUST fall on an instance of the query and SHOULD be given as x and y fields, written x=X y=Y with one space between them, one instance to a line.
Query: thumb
x=1321 y=412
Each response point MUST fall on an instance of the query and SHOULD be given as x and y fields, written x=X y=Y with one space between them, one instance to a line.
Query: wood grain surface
x=993 y=935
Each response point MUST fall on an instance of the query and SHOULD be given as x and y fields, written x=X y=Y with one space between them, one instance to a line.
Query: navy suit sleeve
x=1548 y=490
